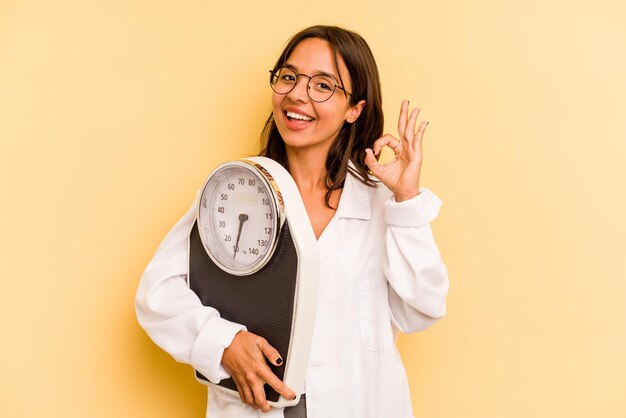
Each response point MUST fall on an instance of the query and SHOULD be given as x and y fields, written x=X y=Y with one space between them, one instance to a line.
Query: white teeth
x=293 y=115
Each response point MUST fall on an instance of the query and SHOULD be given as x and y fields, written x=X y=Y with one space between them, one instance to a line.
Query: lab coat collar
x=355 y=201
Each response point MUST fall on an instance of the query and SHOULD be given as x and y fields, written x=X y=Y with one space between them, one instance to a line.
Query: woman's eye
x=288 y=78
x=323 y=86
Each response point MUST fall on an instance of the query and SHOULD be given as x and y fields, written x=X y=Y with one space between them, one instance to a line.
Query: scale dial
x=239 y=216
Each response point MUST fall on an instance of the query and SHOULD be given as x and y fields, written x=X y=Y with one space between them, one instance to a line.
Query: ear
x=353 y=113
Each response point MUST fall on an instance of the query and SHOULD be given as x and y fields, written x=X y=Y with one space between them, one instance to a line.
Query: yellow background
x=113 y=112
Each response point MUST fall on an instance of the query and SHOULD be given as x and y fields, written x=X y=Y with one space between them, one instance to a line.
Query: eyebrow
x=324 y=73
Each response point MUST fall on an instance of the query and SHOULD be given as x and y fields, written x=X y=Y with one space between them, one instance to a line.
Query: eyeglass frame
x=274 y=73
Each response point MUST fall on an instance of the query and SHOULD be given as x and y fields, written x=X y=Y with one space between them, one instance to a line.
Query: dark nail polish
x=294 y=397
x=279 y=361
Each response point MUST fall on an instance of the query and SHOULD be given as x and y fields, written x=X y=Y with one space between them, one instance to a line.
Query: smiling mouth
x=297 y=116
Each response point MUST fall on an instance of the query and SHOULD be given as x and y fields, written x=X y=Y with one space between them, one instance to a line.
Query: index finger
x=270 y=352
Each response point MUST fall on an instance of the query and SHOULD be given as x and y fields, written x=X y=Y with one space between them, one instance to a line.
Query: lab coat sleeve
x=418 y=278
x=172 y=314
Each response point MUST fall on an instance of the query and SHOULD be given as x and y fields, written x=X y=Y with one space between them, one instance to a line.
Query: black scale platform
x=263 y=301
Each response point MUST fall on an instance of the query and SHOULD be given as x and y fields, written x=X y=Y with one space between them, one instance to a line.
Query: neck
x=308 y=169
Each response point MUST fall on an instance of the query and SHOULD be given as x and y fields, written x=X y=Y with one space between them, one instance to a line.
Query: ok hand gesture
x=402 y=174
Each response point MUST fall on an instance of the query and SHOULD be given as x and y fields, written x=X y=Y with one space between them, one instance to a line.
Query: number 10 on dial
x=239 y=216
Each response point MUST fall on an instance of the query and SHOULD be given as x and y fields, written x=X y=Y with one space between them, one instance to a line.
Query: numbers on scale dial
x=243 y=216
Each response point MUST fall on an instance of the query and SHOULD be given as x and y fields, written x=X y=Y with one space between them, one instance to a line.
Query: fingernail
x=294 y=397
x=279 y=361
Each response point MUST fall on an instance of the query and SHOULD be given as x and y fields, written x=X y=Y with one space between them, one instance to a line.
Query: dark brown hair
x=353 y=138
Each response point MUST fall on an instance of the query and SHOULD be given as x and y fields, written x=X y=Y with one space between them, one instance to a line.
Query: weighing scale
x=253 y=256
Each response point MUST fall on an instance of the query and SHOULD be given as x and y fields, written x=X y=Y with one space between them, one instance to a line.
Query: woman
x=380 y=269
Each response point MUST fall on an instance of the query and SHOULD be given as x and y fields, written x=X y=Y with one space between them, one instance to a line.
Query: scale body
x=253 y=256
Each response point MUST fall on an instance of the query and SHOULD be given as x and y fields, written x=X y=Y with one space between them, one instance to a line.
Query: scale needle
x=242 y=218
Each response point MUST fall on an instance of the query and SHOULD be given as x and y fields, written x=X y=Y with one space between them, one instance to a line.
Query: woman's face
x=303 y=123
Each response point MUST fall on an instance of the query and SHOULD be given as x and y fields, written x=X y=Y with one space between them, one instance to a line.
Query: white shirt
x=381 y=272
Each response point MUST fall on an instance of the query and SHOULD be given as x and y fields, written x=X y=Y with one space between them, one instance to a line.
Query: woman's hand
x=244 y=360
x=402 y=174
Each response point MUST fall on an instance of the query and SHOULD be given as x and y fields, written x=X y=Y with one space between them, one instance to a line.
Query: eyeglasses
x=320 y=87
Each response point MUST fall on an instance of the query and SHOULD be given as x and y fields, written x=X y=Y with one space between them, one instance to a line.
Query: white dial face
x=238 y=219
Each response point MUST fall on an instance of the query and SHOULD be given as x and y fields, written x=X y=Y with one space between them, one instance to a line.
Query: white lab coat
x=381 y=272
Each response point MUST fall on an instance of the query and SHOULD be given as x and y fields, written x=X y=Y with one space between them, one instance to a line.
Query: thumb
x=371 y=161
x=270 y=352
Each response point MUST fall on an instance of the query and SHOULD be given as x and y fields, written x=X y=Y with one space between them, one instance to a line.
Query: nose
x=300 y=90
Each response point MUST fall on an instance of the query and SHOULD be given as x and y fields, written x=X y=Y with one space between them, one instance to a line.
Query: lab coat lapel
x=353 y=204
